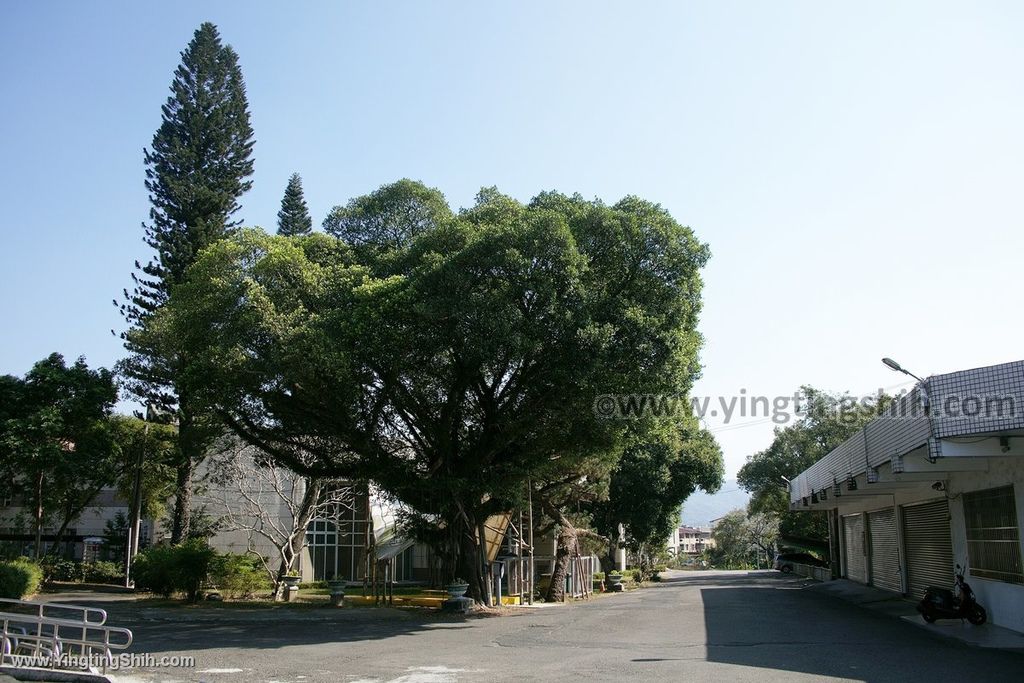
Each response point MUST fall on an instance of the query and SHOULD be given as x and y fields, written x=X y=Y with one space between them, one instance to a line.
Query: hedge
x=167 y=570
x=186 y=568
x=19 y=578
x=239 y=576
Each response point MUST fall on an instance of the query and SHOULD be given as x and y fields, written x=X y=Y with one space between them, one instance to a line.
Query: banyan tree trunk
x=563 y=556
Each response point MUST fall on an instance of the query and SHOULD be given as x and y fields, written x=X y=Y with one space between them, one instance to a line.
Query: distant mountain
x=700 y=508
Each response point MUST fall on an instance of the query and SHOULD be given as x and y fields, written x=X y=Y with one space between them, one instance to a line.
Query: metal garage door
x=929 y=548
x=853 y=545
x=885 y=554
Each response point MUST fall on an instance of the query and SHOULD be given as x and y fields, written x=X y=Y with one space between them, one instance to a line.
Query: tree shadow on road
x=186 y=629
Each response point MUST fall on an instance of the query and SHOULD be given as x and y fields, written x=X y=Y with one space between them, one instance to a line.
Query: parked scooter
x=959 y=603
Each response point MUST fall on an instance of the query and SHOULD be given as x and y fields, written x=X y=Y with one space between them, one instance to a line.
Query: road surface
x=701 y=626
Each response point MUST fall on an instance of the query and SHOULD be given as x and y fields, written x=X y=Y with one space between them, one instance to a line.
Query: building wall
x=687 y=540
x=16 y=524
x=1003 y=601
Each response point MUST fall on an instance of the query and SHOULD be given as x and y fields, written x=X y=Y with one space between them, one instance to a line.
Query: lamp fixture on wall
x=897 y=464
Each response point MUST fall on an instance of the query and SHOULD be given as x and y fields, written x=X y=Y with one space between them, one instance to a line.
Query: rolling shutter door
x=885 y=554
x=853 y=545
x=929 y=548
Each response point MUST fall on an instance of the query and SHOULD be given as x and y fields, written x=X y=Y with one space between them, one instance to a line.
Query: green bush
x=195 y=559
x=154 y=570
x=167 y=570
x=60 y=569
x=239 y=576
x=103 y=572
x=19 y=578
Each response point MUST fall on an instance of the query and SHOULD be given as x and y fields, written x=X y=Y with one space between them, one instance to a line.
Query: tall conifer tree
x=197 y=168
x=293 y=218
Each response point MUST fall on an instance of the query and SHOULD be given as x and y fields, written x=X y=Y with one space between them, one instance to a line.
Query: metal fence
x=52 y=635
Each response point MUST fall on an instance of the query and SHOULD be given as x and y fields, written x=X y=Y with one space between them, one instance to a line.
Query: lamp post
x=893 y=365
x=923 y=385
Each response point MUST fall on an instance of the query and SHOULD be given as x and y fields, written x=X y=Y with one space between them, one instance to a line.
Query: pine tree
x=293 y=218
x=197 y=168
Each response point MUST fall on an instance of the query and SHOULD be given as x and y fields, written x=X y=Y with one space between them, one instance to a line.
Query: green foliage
x=194 y=561
x=155 y=570
x=239 y=576
x=198 y=164
x=293 y=219
x=56 y=445
x=103 y=572
x=167 y=570
x=655 y=474
x=19 y=578
x=115 y=537
x=459 y=355
x=388 y=219
x=197 y=168
x=827 y=421
x=741 y=537
x=156 y=446
x=60 y=569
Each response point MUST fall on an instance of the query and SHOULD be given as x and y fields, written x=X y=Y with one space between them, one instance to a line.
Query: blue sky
x=856 y=169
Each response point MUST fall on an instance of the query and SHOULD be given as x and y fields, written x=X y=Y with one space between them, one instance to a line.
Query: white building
x=690 y=540
x=936 y=481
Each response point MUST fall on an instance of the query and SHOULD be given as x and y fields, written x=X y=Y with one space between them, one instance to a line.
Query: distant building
x=690 y=540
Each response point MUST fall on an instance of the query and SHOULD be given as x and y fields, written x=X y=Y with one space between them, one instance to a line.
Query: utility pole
x=529 y=521
x=135 y=523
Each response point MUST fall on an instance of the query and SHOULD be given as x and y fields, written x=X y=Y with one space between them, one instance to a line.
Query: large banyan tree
x=450 y=357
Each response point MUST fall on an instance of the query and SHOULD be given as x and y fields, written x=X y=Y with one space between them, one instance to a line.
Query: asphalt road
x=704 y=626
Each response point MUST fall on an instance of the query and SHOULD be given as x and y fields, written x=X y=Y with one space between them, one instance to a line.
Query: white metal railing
x=54 y=634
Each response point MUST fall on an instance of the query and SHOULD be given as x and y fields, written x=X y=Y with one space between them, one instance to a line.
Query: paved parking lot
x=708 y=626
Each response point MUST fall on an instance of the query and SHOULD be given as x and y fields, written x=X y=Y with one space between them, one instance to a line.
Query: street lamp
x=925 y=402
x=899 y=368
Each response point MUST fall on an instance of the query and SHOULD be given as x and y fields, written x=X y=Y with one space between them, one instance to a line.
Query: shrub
x=19 y=578
x=154 y=570
x=194 y=562
x=240 y=576
x=167 y=570
x=103 y=572
x=60 y=569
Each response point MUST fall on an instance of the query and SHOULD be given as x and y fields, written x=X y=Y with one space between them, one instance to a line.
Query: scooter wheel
x=930 y=618
x=977 y=616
